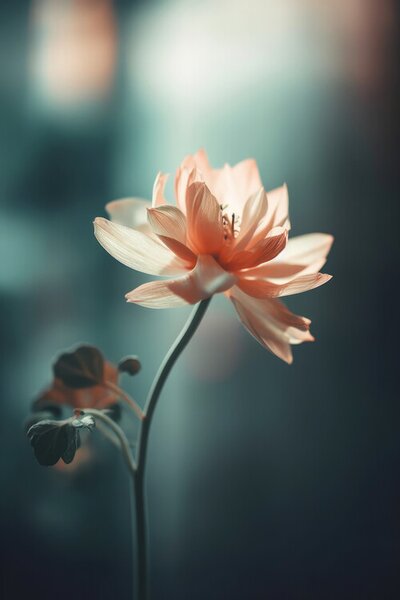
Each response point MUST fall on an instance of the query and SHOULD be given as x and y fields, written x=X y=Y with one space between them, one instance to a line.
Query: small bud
x=130 y=365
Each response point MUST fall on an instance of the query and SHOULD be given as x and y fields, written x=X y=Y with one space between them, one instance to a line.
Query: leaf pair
x=52 y=440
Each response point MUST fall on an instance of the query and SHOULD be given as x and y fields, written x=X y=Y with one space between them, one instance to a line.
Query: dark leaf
x=73 y=443
x=43 y=415
x=130 y=365
x=49 y=440
x=82 y=368
x=52 y=440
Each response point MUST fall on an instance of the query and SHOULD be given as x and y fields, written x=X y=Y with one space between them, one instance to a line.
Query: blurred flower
x=95 y=397
x=80 y=379
x=226 y=234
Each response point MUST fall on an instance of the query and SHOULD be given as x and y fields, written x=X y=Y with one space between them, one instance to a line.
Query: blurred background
x=264 y=481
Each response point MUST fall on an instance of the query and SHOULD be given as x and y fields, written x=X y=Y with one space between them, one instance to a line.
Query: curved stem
x=109 y=435
x=162 y=374
x=125 y=448
x=126 y=397
x=123 y=444
x=164 y=370
x=141 y=537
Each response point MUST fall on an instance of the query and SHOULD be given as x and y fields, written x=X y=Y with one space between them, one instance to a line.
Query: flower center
x=230 y=224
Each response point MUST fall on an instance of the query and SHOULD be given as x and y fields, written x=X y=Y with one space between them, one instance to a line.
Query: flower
x=225 y=234
x=95 y=397
x=80 y=381
x=84 y=379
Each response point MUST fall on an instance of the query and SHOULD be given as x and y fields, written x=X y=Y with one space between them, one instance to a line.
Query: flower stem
x=126 y=397
x=139 y=475
x=137 y=469
x=123 y=440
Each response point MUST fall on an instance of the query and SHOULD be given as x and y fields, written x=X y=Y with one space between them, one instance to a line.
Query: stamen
x=229 y=224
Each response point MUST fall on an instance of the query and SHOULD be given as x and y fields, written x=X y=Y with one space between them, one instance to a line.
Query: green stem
x=123 y=440
x=123 y=444
x=109 y=435
x=137 y=469
x=139 y=475
x=126 y=397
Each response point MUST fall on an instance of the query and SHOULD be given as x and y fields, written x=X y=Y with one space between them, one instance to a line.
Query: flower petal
x=204 y=221
x=158 y=190
x=262 y=288
x=183 y=178
x=266 y=249
x=161 y=294
x=271 y=323
x=306 y=249
x=198 y=160
x=206 y=279
x=304 y=284
x=278 y=207
x=181 y=250
x=303 y=255
x=137 y=250
x=276 y=215
x=232 y=186
x=168 y=221
x=280 y=272
x=247 y=180
x=253 y=212
x=131 y=212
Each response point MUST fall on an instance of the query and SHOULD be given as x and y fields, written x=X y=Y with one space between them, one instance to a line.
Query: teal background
x=264 y=481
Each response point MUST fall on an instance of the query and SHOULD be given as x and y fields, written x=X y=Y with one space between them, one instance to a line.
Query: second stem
x=139 y=476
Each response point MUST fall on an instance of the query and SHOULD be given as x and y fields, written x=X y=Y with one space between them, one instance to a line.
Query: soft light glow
x=74 y=50
x=197 y=54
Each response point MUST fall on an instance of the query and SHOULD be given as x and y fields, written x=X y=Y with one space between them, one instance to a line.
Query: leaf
x=130 y=365
x=41 y=415
x=82 y=368
x=49 y=440
x=52 y=440
x=73 y=443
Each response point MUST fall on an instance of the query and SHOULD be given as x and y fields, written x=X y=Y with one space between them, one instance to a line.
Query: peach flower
x=224 y=235
x=97 y=396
